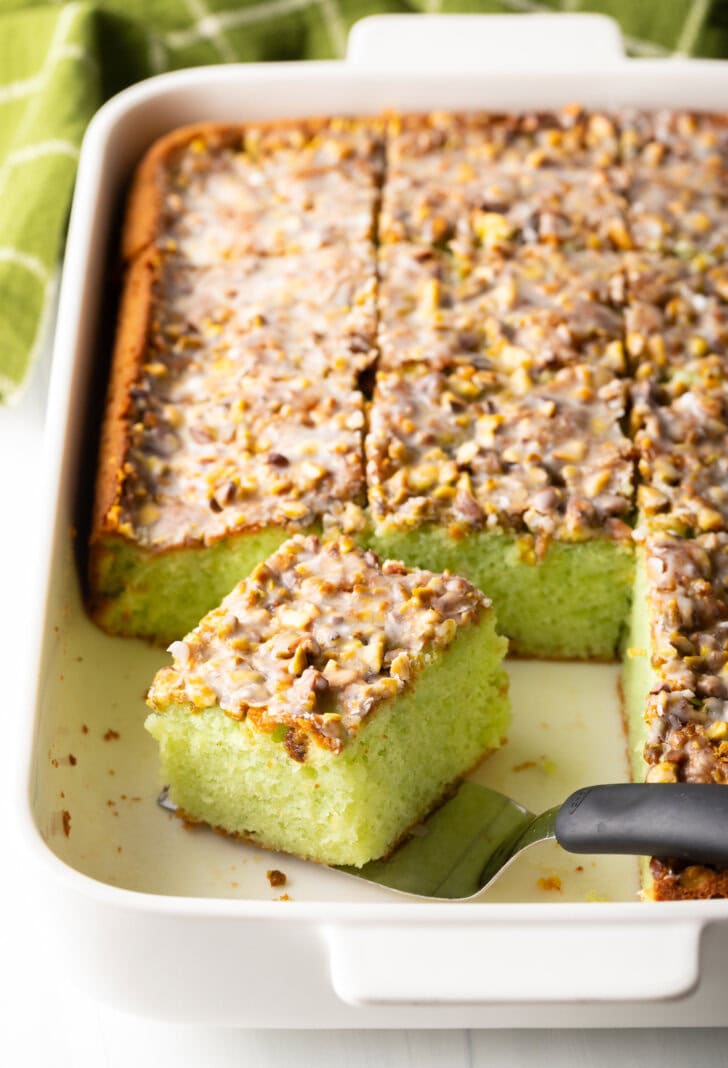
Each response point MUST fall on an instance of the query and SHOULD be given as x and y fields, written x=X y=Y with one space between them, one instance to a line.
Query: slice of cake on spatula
x=330 y=701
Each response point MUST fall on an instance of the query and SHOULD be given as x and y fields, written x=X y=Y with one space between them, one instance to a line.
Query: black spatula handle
x=688 y=821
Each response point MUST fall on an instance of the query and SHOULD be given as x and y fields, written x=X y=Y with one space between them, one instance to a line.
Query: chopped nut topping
x=676 y=309
x=495 y=180
x=274 y=189
x=529 y=314
x=212 y=474
x=539 y=214
x=680 y=426
x=313 y=311
x=330 y=633
x=554 y=460
x=661 y=140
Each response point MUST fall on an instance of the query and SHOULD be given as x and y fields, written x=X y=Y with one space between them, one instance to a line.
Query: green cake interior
x=163 y=595
x=350 y=807
x=573 y=603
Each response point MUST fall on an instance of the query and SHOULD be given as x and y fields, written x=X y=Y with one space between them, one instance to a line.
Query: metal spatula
x=467 y=842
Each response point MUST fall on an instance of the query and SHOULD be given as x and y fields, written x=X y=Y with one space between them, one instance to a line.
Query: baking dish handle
x=496 y=962
x=477 y=43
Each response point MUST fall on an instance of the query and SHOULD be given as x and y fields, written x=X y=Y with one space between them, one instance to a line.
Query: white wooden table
x=44 y=1022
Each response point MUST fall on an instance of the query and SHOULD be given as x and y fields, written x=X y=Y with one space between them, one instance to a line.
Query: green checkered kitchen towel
x=59 y=61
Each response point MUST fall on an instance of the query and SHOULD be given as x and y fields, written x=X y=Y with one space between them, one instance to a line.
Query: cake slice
x=456 y=146
x=489 y=207
x=312 y=311
x=464 y=181
x=673 y=173
x=667 y=213
x=330 y=701
x=676 y=323
x=207 y=489
x=524 y=488
x=534 y=312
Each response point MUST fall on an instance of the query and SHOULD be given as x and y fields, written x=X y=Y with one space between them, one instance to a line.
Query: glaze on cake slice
x=499 y=182
x=533 y=312
x=680 y=423
x=312 y=311
x=676 y=311
x=495 y=210
x=693 y=143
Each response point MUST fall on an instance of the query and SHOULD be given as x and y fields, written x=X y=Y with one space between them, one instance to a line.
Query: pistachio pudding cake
x=330 y=701
x=484 y=345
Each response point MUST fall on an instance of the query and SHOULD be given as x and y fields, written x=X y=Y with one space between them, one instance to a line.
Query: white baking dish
x=184 y=925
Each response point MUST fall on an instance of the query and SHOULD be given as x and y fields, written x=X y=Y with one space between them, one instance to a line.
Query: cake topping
x=282 y=451
x=688 y=598
x=314 y=312
x=537 y=311
x=667 y=213
x=314 y=639
x=443 y=144
x=245 y=411
x=272 y=189
x=575 y=180
x=449 y=446
x=524 y=292
x=677 y=311
x=497 y=182
x=694 y=142
x=680 y=427
x=496 y=210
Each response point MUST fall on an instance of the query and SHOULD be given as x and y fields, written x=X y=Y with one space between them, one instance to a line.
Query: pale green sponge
x=162 y=595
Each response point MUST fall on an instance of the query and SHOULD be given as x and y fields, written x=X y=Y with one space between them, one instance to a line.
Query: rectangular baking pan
x=182 y=924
